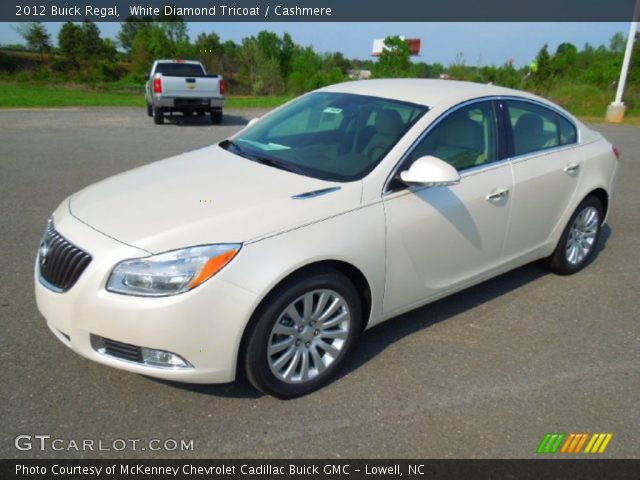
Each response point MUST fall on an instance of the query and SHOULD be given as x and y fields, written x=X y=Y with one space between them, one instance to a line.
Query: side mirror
x=252 y=121
x=430 y=172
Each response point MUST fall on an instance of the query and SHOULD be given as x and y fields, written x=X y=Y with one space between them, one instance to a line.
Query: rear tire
x=302 y=335
x=216 y=117
x=158 y=116
x=579 y=239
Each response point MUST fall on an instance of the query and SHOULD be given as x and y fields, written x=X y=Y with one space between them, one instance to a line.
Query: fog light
x=160 y=358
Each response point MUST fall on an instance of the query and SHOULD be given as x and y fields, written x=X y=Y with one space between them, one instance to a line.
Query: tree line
x=269 y=64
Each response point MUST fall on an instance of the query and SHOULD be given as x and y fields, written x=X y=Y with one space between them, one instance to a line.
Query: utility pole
x=616 y=109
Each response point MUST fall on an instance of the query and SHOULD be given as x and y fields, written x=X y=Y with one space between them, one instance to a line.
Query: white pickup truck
x=183 y=86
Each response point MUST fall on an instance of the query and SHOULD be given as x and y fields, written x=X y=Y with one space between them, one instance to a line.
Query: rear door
x=546 y=170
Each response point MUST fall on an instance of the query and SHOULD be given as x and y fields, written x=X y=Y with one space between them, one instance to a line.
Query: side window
x=568 y=133
x=534 y=127
x=465 y=138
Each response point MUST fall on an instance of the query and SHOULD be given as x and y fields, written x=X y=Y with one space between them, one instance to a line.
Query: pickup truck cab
x=183 y=86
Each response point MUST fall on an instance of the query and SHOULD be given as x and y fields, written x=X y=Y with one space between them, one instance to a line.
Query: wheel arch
x=603 y=196
x=347 y=269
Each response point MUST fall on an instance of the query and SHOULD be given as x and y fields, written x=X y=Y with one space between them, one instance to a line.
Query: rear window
x=180 y=69
x=534 y=127
x=537 y=128
x=568 y=133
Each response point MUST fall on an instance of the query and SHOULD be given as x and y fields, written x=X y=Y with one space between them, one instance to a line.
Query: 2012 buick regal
x=268 y=253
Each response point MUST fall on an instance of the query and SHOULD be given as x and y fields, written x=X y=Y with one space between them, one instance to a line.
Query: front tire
x=303 y=334
x=579 y=239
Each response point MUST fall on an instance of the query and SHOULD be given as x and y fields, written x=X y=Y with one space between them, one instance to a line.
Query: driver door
x=440 y=239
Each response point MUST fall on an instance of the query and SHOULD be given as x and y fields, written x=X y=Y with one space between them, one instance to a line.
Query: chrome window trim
x=539 y=153
x=488 y=166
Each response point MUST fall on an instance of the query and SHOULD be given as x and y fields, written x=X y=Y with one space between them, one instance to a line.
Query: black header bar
x=569 y=469
x=321 y=10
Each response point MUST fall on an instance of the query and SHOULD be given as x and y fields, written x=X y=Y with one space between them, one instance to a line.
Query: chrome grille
x=60 y=262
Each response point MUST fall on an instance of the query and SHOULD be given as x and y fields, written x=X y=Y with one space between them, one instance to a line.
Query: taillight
x=157 y=85
x=616 y=151
x=223 y=87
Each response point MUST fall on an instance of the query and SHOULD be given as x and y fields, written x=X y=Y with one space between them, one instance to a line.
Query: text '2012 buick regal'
x=333 y=213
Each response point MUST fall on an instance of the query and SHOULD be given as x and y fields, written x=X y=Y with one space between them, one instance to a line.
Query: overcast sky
x=480 y=43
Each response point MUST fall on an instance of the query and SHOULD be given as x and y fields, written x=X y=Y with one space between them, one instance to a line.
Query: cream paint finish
x=441 y=237
x=205 y=196
x=412 y=246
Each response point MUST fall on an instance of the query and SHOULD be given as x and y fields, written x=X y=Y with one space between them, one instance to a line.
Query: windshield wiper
x=272 y=162
x=238 y=149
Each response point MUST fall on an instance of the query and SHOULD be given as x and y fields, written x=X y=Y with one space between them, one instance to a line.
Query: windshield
x=332 y=136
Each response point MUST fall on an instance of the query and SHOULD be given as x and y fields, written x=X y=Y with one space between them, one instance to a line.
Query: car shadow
x=204 y=121
x=241 y=388
x=378 y=338
x=374 y=341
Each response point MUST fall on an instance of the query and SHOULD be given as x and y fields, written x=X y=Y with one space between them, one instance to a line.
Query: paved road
x=484 y=373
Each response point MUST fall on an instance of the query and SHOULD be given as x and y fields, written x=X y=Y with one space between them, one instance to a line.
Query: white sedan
x=267 y=254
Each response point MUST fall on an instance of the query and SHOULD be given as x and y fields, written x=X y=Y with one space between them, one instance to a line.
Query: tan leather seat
x=463 y=143
x=389 y=127
x=528 y=134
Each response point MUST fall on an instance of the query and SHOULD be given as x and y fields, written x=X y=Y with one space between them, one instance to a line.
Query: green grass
x=38 y=95
x=581 y=100
x=587 y=102
x=256 y=102
x=30 y=95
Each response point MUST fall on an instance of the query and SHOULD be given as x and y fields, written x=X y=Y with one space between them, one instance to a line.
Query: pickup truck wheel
x=158 y=116
x=216 y=117
x=149 y=110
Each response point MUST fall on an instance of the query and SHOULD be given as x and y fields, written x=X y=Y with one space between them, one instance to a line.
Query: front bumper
x=203 y=326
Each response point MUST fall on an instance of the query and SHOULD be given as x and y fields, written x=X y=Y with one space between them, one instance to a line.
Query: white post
x=626 y=61
x=616 y=109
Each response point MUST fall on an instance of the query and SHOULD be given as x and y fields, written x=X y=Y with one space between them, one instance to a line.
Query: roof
x=189 y=62
x=429 y=92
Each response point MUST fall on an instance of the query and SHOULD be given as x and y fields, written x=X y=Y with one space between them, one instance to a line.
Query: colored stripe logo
x=573 y=443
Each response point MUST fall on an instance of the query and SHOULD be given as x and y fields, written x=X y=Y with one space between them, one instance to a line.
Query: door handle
x=572 y=168
x=497 y=194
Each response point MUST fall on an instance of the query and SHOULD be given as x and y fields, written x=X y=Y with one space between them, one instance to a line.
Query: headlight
x=170 y=273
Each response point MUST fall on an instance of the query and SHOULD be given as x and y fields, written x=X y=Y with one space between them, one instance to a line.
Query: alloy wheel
x=582 y=235
x=308 y=336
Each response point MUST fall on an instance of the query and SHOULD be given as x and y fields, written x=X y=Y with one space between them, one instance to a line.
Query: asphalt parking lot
x=484 y=373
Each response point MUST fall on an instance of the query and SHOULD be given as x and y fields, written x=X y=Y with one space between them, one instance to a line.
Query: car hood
x=206 y=196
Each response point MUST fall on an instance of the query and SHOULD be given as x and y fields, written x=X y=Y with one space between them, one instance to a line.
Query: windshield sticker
x=333 y=110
